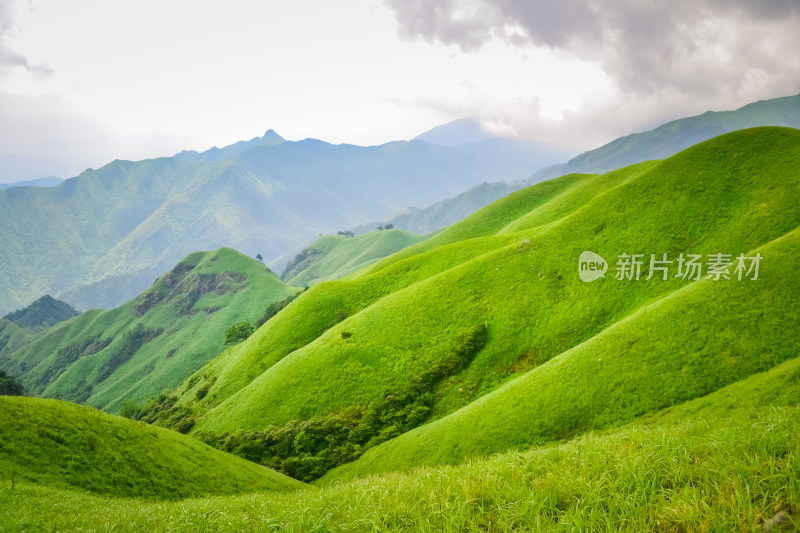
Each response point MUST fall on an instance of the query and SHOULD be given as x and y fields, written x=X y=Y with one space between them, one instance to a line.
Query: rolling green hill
x=59 y=444
x=151 y=343
x=672 y=137
x=336 y=256
x=99 y=239
x=12 y=336
x=488 y=322
x=41 y=314
x=668 y=351
x=727 y=461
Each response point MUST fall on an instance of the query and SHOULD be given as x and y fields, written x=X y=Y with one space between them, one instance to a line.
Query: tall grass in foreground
x=716 y=474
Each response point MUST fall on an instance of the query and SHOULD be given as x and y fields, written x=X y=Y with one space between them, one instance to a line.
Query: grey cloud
x=683 y=46
x=10 y=58
x=447 y=21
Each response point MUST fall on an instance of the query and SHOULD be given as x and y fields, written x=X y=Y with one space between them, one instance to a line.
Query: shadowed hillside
x=41 y=314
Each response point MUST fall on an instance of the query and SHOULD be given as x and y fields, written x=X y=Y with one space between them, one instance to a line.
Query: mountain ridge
x=676 y=135
x=42 y=313
x=115 y=229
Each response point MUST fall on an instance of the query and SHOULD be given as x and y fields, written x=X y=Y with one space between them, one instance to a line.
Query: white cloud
x=148 y=78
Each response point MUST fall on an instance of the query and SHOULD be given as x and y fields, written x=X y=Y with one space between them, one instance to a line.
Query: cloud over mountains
x=688 y=47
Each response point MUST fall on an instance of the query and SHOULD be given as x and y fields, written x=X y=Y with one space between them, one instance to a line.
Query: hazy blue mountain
x=462 y=131
x=99 y=239
x=41 y=182
x=270 y=138
x=672 y=137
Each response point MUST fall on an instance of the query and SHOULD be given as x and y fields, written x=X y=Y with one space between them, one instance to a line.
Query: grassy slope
x=12 y=336
x=96 y=358
x=407 y=311
x=60 y=444
x=325 y=305
x=336 y=256
x=727 y=461
x=680 y=347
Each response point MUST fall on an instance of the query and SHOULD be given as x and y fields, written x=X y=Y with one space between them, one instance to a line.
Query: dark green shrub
x=9 y=386
x=129 y=409
x=238 y=332
x=202 y=391
x=186 y=424
x=274 y=308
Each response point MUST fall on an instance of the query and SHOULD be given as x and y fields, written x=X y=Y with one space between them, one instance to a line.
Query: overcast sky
x=87 y=81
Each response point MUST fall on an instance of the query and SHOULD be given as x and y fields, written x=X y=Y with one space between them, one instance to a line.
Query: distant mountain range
x=99 y=239
x=446 y=212
x=41 y=314
x=672 y=137
x=659 y=143
x=462 y=131
x=41 y=182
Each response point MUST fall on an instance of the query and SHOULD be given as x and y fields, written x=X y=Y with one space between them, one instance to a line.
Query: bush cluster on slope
x=307 y=449
x=238 y=332
x=9 y=386
x=275 y=307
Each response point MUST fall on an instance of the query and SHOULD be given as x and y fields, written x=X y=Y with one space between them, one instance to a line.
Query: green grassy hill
x=12 y=336
x=59 y=444
x=679 y=347
x=494 y=304
x=151 y=343
x=672 y=137
x=336 y=256
x=729 y=461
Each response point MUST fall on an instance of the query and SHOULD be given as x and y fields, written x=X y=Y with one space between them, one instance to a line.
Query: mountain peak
x=41 y=314
x=272 y=136
x=460 y=131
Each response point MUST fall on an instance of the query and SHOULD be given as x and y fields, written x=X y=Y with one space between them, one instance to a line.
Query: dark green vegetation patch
x=41 y=314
